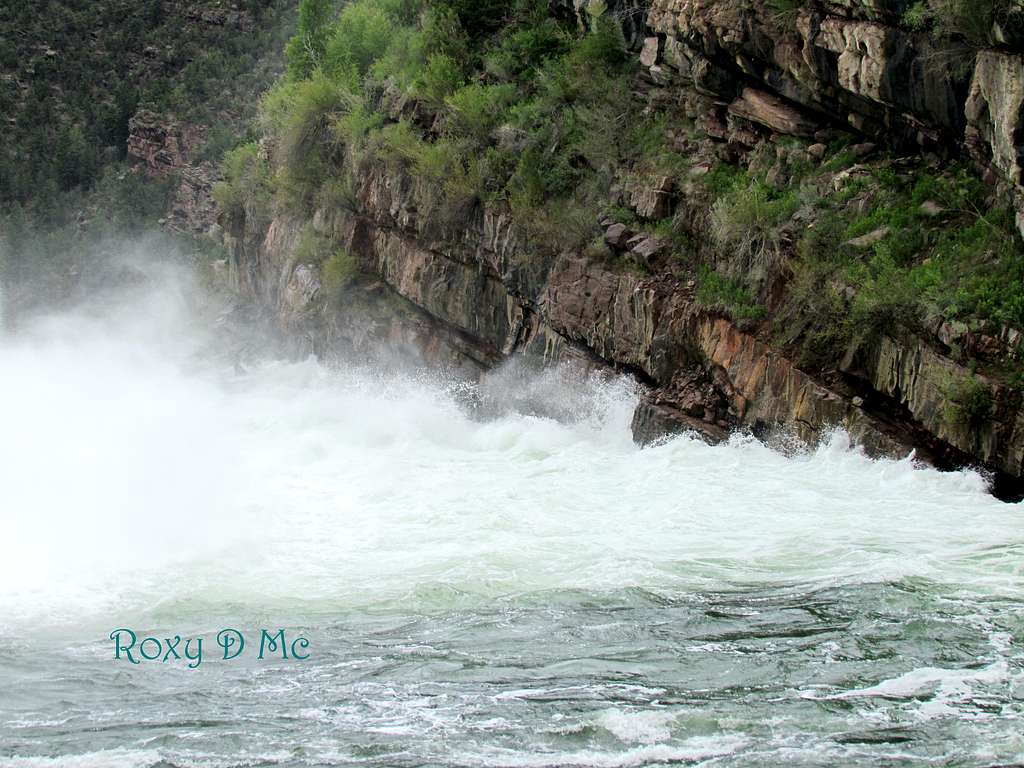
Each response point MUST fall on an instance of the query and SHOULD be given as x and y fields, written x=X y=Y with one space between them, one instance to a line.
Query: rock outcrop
x=163 y=147
x=471 y=292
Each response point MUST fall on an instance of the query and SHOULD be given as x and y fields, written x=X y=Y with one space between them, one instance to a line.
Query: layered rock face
x=852 y=64
x=162 y=147
x=469 y=292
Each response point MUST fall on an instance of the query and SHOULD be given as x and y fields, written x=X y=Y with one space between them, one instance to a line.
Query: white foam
x=697 y=748
x=134 y=473
x=645 y=727
x=108 y=758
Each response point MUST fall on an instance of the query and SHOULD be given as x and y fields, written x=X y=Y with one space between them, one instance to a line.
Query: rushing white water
x=147 y=481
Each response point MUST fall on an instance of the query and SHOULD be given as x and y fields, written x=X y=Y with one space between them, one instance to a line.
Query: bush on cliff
x=313 y=247
x=720 y=292
x=76 y=72
x=246 y=189
x=339 y=272
x=745 y=221
x=306 y=49
x=978 y=23
x=524 y=110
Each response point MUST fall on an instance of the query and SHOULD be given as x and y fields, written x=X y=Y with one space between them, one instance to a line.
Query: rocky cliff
x=741 y=81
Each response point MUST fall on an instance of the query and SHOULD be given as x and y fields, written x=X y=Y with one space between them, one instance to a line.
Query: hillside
x=778 y=216
x=74 y=78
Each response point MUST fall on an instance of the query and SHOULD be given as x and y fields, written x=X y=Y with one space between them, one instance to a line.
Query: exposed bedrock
x=466 y=291
x=467 y=297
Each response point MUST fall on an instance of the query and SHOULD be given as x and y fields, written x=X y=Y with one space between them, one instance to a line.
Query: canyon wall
x=469 y=291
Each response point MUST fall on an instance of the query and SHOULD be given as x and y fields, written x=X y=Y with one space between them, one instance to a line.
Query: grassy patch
x=524 y=110
x=969 y=402
x=746 y=221
x=715 y=290
x=313 y=247
x=339 y=272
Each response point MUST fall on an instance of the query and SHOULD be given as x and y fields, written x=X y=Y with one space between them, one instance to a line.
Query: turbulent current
x=479 y=585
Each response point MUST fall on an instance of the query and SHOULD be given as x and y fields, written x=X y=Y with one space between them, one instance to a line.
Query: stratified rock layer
x=471 y=293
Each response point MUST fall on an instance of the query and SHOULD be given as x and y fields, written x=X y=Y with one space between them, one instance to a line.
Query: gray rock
x=617 y=235
x=659 y=75
x=675 y=56
x=866 y=241
x=775 y=113
x=646 y=250
x=649 y=54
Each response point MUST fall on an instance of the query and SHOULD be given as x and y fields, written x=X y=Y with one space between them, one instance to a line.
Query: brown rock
x=773 y=112
x=659 y=75
x=653 y=200
x=616 y=235
x=675 y=56
x=646 y=250
x=653 y=423
x=161 y=144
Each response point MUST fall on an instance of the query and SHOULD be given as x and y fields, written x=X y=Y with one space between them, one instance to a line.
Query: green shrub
x=724 y=178
x=313 y=248
x=746 y=222
x=783 y=13
x=338 y=193
x=338 y=273
x=519 y=52
x=443 y=33
x=968 y=401
x=917 y=17
x=440 y=78
x=603 y=47
x=479 y=18
x=886 y=295
x=306 y=144
x=246 y=190
x=719 y=292
x=305 y=50
x=361 y=34
x=398 y=143
x=556 y=225
x=840 y=161
x=476 y=109
x=355 y=126
x=403 y=59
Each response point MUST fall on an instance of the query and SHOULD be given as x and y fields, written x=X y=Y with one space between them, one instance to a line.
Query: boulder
x=653 y=200
x=995 y=112
x=649 y=53
x=647 y=250
x=773 y=112
x=617 y=235
x=866 y=241
x=863 y=49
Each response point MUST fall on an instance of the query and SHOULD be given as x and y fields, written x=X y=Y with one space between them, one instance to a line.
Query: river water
x=478 y=587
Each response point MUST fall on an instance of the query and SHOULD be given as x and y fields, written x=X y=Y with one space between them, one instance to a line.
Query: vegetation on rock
x=508 y=106
x=73 y=74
